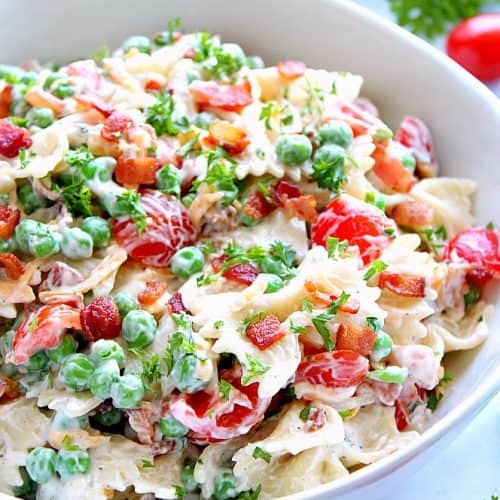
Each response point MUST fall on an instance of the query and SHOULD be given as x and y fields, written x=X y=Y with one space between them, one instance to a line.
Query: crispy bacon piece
x=402 y=284
x=245 y=274
x=116 y=126
x=86 y=102
x=231 y=138
x=222 y=95
x=40 y=98
x=153 y=291
x=136 y=170
x=13 y=266
x=355 y=338
x=316 y=419
x=12 y=139
x=257 y=206
x=176 y=305
x=391 y=171
x=141 y=421
x=412 y=214
x=101 y=320
x=303 y=207
x=9 y=389
x=9 y=219
x=60 y=275
x=264 y=332
x=5 y=101
x=284 y=188
x=291 y=69
x=152 y=86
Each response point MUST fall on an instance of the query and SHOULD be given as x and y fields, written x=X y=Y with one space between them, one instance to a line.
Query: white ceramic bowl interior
x=403 y=75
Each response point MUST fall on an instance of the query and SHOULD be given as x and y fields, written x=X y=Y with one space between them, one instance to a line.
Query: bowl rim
x=486 y=390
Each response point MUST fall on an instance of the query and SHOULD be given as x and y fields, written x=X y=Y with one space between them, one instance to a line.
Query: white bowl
x=402 y=75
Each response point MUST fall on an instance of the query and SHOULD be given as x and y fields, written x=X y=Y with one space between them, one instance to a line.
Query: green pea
x=35 y=238
x=41 y=117
x=204 y=119
x=4 y=199
x=64 y=89
x=274 y=284
x=336 y=132
x=103 y=378
x=41 y=464
x=183 y=374
x=164 y=38
x=187 y=261
x=7 y=246
x=109 y=418
x=37 y=362
x=104 y=350
x=67 y=346
x=30 y=199
x=187 y=200
x=75 y=371
x=99 y=168
x=330 y=154
x=127 y=392
x=271 y=264
x=77 y=244
x=138 y=328
x=98 y=228
x=225 y=486
x=408 y=161
x=293 y=149
x=125 y=303
x=188 y=480
x=139 y=42
x=72 y=460
x=255 y=62
x=64 y=423
x=172 y=428
x=11 y=74
x=390 y=374
x=382 y=347
x=52 y=78
x=169 y=180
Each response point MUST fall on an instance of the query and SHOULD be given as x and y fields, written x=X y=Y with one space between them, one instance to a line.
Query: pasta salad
x=220 y=279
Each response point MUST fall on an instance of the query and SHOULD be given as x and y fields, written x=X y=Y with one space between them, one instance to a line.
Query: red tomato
x=291 y=69
x=153 y=291
x=391 y=171
x=222 y=95
x=5 y=101
x=9 y=218
x=12 y=139
x=12 y=265
x=135 y=171
x=264 y=332
x=403 y=284
x=211 y=419
x=101 y=320
x=341 y=368
x=169 y=228
x=355 y=338
x=42 y=329
x=475 y=44
x=478 y=277
x=359 y=223
x=401 y=415
x=479 y=247
x=414 y=134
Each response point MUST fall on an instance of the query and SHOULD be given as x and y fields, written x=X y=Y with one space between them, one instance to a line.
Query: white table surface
x=469 y=468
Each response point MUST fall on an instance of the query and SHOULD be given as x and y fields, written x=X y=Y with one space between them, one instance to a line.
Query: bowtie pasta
x=220 y=278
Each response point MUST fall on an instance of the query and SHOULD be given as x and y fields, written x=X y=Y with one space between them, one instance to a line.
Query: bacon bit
x=131 y=170
x=402 y=284
x=116 y=126
x=232 y=139
x=284 y=188
x=245 y=274
x=264 y=332
x=152 y=86
x=391 y=171
x=101 y=320
x=355 y=338
x=412 y=214
x=176 y=305
x=303 y=207
x=291 y=69
x=5 y=101
x=12 y=139
x=86 y=102
x=257 y=207
x=189 y=54
x=153 y=291
x=401 y=415
x=60 y=274
x=8 y=389
x=316 y=419
x=9 y=219
x=317 y=293
x=217 y=262
x=141 y=421
x=39 y=98
x=222 y=95
x=13 y=266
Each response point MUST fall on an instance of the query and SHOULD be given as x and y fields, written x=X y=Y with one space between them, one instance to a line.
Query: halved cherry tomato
x=355 y=338
x=402 y=284
x=414 y=134
x=479 y=247
x=342 y=368
x=475 y=45
x=9 y=218
x=359 y=223
x=153 y=291
x=391 y=171
x=12 y=139
x=265 y=331
x=5 y=101
x=291 y=69
x=136 y=170
x=412 y=214
x=42 y=329
x=210 y=419
x=13 y=266
x=222 y=95
x=169 y=228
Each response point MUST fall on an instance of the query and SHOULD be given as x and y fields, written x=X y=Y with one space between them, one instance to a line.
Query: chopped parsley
x=179 y=492
x=251 y=494
x=25 y=157
x=330 y=174
x=375 y=200
x=151 y=372
x=76 y=196
x=253 y=368
x=304 y=413
x=374 y=323
x=297 y=328
x=473 y=295
x=434 y=239
x=262 y=454
x=129 y=203
x=160 y=116
x=224 y=389
x=306 y=306
x=323 y=318
x=284 y=252
x=33 y=324
x=101 y=53
x=436 y=395
x=335 y=248
x=78 y=157
x=345 y=414
x=146 y=464
x=273 y=109
x=218 y=324
x=376 y=267
x=490 y=226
